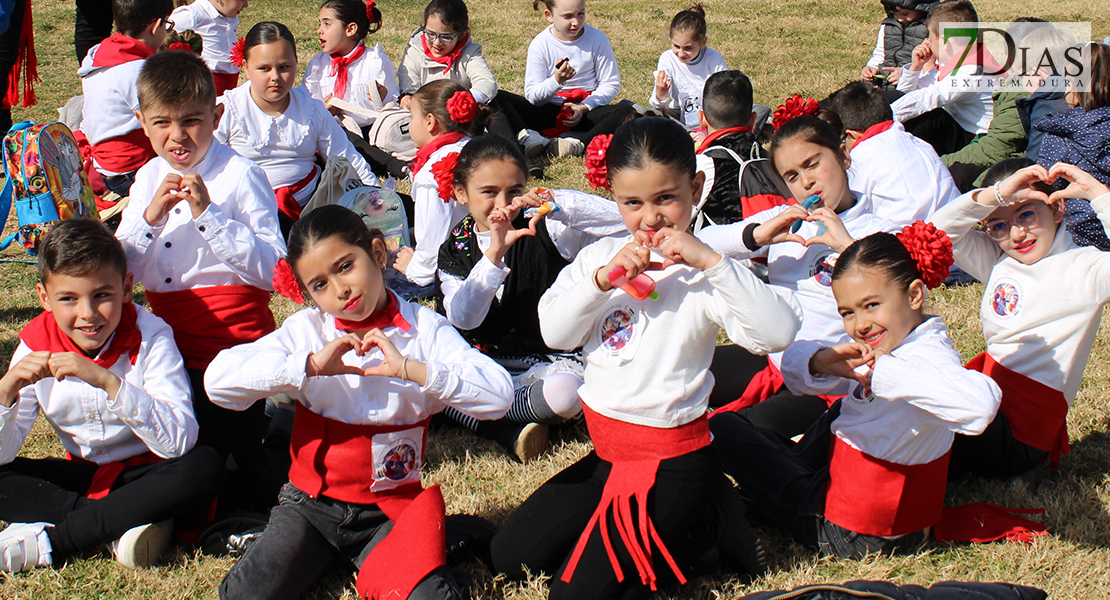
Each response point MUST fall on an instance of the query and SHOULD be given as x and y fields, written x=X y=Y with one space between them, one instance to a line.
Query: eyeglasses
x=1000 y=229
x=444 y=38
x=168 y=23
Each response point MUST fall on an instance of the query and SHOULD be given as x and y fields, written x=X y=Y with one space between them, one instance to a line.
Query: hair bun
x=930 y=248
x=597 y=170
x=285 y=282
x=795 y=106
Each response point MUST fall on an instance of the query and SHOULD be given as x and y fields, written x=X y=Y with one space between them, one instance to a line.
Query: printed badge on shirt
x=619 y=330
x=1005 y=297
x=398 y=456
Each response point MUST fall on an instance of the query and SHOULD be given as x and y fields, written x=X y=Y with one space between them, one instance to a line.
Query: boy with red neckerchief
x=108 y=80
x=107 y=376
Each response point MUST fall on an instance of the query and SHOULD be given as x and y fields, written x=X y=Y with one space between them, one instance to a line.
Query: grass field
x=802 y=46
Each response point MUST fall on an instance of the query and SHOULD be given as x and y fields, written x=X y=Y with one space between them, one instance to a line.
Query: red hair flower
x=444 y=172
x=180 y=46
x=795 y=106
x=597 y=171
x=930 y=248
x=461 y=107
x=238 y=53
x=285 y=282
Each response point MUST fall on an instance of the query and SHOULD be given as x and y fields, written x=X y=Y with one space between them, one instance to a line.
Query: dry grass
x=805 y=46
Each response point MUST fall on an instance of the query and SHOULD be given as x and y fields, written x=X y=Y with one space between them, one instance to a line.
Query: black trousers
x=92 y=25
x=381 y=162
x=993 y=454
x=522 y=114
x=940 y=130
x=52 y=490
x=543 y=531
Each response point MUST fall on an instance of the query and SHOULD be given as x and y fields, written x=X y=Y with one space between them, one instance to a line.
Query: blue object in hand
x=807 y=204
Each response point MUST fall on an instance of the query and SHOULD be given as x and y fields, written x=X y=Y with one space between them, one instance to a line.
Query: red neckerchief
x=390 y=316
x=339 y=69
x=43 y=333
x=423 y=154
x=873 y=131
x=120 y=49
x=720 y=133
x=978 y=55
x=448 y=59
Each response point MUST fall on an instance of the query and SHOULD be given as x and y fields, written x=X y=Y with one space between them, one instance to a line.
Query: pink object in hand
x=640 y=287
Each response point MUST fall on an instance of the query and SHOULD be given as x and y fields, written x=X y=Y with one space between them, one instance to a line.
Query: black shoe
x=469 y=536
x=232 y=535
x=742 y=551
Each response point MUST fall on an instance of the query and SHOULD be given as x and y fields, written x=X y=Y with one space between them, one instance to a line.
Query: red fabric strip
x=769 y=380
x=872 y=496
x=980 y=522
x=286 y=201
x=571 y=96
x=119 y=49
x=43 y=334
x=225 y=82
x=874 y=130
x=209 y=319
x=339 y=69
x=423 y=154
x=416 y=546
x=720 y=133
x=125 y=153
x=26 y=62
x=389 y=316
x=448 y=59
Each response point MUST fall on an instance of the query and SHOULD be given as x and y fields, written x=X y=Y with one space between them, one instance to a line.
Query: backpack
x=390 y=132
x=700 y=220
x=45 y=179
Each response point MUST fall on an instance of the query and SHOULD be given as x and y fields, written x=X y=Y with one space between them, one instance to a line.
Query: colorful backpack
x=45 y=179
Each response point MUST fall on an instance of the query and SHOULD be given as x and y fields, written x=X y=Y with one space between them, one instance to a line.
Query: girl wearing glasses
x=443 y=49
x=1042 y=307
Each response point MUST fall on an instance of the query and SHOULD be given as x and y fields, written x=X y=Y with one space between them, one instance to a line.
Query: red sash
x=43 y=334
x=285 y=196
x=25 y=62
x=107 y=473
x=873 y=131
x=423 y=154
x=573 y=95
x=872 y=496
x=225 y=82
x=125 y=153
x=762 y=386
x=1038 y=414
x=330 y=459
x=339 y=69
x=635 y=452
x=720 y=133
x=209 y=319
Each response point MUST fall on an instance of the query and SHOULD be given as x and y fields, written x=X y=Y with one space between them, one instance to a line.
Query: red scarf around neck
x=873 y=131
x=43 y=333
x=120 y=49
x=339 y=69
x=425 y=153
x=448 y=59
x=720 y=133
x=390 y=316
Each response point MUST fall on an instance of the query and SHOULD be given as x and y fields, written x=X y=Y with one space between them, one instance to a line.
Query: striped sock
x=465 y=420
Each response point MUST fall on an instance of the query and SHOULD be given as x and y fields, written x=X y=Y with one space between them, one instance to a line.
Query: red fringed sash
x=209 y=319
x=26 y=63
x=286 y=201
x=107 y=473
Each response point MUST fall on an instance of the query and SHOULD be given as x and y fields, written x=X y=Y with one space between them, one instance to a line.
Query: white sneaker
x=142 y=546
x=567 y=146
x=24 y=546
x=534 y=143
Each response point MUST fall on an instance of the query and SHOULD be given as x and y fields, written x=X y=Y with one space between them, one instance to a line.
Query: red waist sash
x=209 y=319
x=285 y=196
x=107 y=473
x=872 y=496
x=635 y=452
x=125 y=153
x=1038 y=414
x=335 y=459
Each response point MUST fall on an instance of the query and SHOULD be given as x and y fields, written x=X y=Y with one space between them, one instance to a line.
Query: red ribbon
x=26 y=63
x=389 y=316
x=720 y=133
x=339 y=69
x=423 y=154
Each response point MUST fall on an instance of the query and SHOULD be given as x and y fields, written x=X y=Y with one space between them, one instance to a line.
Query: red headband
x=795 y=106
x=930 y=248
x=597 y=170
x=285 y=282
x=461 y=107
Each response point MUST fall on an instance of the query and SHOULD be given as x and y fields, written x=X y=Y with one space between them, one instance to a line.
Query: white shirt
x=921 y=396
x=458 y=375
x=1039 y=320
x=433 y=218
x=805 y=271
x=285 y=146
x=581 y=219
x=901 y=175
x=235 y=241
x=594 y=64
x=217 y=31
x=687 y=83
x=878 y=55
x=647 y=362
x=111 y=98
x=373 y=66
x=152 y=412
x=972 y=109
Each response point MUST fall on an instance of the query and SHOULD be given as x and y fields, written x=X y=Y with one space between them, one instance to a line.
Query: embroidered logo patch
x=1005 y=298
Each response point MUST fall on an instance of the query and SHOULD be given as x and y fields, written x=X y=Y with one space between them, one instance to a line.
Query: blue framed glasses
x=445 y=39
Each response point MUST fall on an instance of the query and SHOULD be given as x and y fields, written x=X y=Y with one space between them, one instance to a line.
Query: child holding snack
x=217 y=23
x=682 y=70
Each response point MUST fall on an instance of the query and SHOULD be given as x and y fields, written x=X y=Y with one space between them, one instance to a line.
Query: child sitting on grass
x=217 y=23
x=107 y=376
x=899 y=33
x=682 y=70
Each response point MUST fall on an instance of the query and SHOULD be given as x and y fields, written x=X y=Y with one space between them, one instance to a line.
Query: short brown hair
x=1099 y=94
x=950 y=11
x=175 y=78
x=78 y=247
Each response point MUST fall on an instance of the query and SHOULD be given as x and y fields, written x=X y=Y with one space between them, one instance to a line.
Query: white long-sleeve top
x=152 y=412
x=805 y=271
x=878 y=55
x=235 y=241
x=647 y=362
x=217 y=31
x=921 y=396
x=914 y=189
x=594 y=64
x=373 y=67
x=687 y=83
x=963 y=94
x=1039 y=320
x=581 y=220
x=470 y=69
x=286 y=146
x=458 y=375
x=112 y=98
x=433 y=218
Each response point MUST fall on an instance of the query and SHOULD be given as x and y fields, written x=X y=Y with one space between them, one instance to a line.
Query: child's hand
x=502 y=233
x=893 y=74
x=777 y=228
x=577 y=113
x=836 y=236
x=195 y=193
x=1017 y=187
x=71 y=364
x=404 y=257
x=868 y=73
x=841 y=361
x=1080 y=183
x=528 y=199
x=682 y=248
x=922 y=55
x=29 y=370
x=165 y=198
x=329 y=360
x=662 y=85
x=393 y=363
x=334 y=110
x=564 y=73
x=634 y=258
